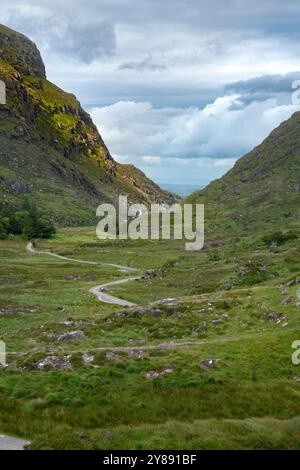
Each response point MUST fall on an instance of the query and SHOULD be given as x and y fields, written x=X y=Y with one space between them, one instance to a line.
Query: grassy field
x=227 y=307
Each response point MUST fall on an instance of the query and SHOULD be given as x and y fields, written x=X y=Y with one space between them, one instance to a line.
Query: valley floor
x=198 y=357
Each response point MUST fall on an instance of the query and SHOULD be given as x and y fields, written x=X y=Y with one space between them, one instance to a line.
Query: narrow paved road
x=30 y=249
x=97 y=290
x=110 y=299
x=12 y=443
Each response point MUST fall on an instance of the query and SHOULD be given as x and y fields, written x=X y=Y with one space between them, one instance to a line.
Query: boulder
x=111 y=356
x=55 y=362
x=77 y=323
x=71 y=336
x=87 y=358
x=133 y=311
x=216 y=322
x=282 y=289
x=152 y=374
x=286 y=300
x=136 y=353
x=210 y=363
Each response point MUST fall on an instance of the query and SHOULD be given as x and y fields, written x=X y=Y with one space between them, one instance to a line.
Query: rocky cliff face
x=50 y=149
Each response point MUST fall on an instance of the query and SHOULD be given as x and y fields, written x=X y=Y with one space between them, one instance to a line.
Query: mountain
x=50 y=149
x=262 y=190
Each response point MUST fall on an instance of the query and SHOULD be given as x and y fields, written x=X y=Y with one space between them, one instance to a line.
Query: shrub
x=3 y=229
x=18 y=222
x=279 y=238
x=38 y=226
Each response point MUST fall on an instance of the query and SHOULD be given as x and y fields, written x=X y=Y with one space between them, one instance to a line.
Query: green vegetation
x=204 y=359
x=51 y=151
x=29 y=223
x=249 y=399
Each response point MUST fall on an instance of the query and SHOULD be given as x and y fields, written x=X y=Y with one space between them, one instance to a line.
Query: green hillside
x=262 y=190
x=50 y=150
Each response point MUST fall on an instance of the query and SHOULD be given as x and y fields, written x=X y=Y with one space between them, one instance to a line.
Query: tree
x=3 y=229
x=38 y=226
x=45 y=227
x=18 y=222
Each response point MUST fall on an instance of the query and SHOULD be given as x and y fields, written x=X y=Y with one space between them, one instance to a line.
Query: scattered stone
x=77 y=323
x=121 y=314
x=166 y=302
x=71 y=336
x=55 y=362
x=293 y=282
x=88 y=358
x=151 y=273
x=14 y=310
x=282 y=289
x=297 y=379
x=216 y=322
x=286 y=300
x=155 y=374
x=210 y=363
x=275 y=317
x=204 y=310
x=136 y=353
x=111 y=356
x=152 y=375
x=72 y=278
x=132 y=311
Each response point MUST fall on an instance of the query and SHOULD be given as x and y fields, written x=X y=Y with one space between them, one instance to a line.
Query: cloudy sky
x=180 y=88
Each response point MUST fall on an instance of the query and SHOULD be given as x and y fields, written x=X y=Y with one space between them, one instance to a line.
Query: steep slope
x=50 y=150
x=262 y=189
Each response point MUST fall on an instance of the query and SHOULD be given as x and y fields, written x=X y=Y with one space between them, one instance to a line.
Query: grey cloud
x=145 y=65
x=87 y=42
x=270 y=15
x=266 y=87
x=265 y=84
x=66 y=35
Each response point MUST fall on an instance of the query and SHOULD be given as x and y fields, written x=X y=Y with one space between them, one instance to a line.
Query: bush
x=45 y=227
x=38 y=226
x=28 y=221
x=279 y=238
x=18 y=222
x=3 y=229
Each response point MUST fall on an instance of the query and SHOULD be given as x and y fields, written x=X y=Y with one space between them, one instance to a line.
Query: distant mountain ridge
x=50 y=149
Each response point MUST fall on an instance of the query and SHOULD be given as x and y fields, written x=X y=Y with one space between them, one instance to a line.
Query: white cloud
x=188 y=143
x=227 y=128
x=187 y=53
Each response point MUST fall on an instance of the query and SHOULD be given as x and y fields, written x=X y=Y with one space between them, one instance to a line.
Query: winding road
x=110 y=299
x=30 y=249
x=11 y=443
x=98 y=291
